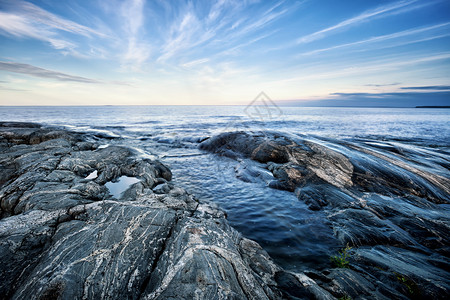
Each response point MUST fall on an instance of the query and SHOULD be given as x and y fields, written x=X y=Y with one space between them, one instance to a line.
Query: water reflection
x=121 y=185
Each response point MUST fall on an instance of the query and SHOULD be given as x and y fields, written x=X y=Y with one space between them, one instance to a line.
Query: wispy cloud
x=217 y=31
x=235 y=49
x=374 y=66
x=21 y=26
x=26 y=20
x=41 y=16
x=132 y=12
x=222 y=48
x=195 y=62
x=383 y=85
x=186 y=32
x=386 y=37
x=216 y=10
x=42 y=73
x=363 y=17
x=266 y=18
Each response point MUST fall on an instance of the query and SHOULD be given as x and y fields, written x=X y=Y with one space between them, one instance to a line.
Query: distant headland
x=432 y=106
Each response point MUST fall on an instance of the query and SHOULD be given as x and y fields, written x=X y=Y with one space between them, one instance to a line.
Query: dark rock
x=290 y=175
x=203 y=259
x=19 y=125
x=291 y=287
x=388 y=203
x=380 y=173
x=312 y=196
x=303 y=157
x=413 y=274
x=22 y=239
x=268 y=151
x=62 y=236
x=161 y=188
x=241 y=143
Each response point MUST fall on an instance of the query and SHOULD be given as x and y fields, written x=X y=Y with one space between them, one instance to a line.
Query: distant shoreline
x=431 y=106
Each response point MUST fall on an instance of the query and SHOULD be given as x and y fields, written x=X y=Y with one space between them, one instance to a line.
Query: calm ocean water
x=429 y=125
x=292 y=234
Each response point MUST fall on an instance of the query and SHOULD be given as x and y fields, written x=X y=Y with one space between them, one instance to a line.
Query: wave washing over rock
x=63 y=235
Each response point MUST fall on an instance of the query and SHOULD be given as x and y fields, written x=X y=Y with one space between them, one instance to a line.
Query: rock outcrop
x=388 y=203
x=292 y=163
x=63 y=235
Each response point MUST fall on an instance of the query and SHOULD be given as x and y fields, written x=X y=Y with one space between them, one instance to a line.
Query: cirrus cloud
x=42 y=73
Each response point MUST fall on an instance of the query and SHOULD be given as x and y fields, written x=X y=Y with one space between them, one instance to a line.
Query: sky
x=225 y=52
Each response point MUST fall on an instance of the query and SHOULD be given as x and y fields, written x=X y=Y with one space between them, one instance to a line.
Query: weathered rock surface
x=64 y=236
x=291 y=162
x=385 y=201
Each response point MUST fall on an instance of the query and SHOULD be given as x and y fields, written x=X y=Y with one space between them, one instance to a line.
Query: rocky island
x=64 y=233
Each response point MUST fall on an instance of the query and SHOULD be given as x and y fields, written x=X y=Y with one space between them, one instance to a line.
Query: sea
x=294 y=236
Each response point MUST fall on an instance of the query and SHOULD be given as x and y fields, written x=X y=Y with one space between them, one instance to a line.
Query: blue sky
x=139 y=52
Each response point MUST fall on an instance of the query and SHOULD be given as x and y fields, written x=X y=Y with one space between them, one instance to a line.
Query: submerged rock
x=63 y=236
x=390 y=204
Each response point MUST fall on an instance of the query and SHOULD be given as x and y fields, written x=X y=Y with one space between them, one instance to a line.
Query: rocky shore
x=64 y=236
x=387 y=205
x=64 y=233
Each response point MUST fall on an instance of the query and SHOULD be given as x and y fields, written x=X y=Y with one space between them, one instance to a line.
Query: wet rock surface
x=64 y=236
x=389 y=203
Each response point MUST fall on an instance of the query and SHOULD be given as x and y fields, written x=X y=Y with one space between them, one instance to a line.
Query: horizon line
x=127 y=105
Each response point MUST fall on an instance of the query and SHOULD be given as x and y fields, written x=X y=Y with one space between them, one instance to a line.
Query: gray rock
x=389 y=204
x=162 y=188
x=22 y=239
x=300 y=158
x=63 y=236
